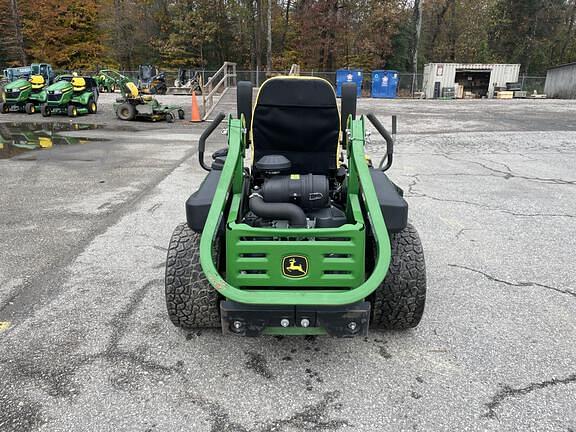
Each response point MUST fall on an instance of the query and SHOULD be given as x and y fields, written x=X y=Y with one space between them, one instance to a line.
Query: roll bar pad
x=202 y=141
x=389 y=142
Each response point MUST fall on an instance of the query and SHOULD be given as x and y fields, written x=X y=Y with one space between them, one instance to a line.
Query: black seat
x=297 y=117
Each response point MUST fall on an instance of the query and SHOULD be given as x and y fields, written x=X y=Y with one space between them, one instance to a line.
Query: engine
x=285 y=200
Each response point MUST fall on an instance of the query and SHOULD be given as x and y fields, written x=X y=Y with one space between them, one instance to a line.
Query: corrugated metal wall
x=561 y=82
x=445 y=73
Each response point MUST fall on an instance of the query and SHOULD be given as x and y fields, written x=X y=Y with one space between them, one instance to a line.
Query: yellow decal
x=295 y=266
x=4 y=325
x=294 y=176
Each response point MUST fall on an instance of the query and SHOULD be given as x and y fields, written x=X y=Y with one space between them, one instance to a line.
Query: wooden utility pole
x=18 y=32
x=418 y=18
x=269 y=47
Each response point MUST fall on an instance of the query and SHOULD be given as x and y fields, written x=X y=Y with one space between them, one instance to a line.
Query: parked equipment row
x=78 y=95
x=69 y=94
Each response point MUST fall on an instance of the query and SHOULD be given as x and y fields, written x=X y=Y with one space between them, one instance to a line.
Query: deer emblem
x=295 y=266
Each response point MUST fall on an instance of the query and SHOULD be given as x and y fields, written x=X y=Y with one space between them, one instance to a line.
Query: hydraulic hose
x=294 y=214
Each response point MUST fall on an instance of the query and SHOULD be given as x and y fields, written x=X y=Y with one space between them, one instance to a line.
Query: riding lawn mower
x=71 y=95
x=132 y=105
x=25 y=95
x=294 y=231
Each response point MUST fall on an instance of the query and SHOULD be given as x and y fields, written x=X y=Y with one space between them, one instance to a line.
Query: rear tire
x=191 y=301
x=170 y=117
x=72 y=111
x=126 y=111
x=181 y=114
x=4 y=108
x=398 y=303
x=92 y=107
x=30 y=108
x=45 y=110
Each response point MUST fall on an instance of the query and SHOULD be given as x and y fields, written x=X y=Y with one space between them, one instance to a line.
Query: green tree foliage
x=317 y=34
x=64 y=33
x=525 y=31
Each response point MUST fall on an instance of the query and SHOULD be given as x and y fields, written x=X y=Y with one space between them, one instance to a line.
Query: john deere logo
x=295 y=266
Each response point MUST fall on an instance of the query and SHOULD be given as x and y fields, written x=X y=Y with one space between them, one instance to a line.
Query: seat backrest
x=134 y=92
x=37 y=81
x=297 y=117
x=78 y=83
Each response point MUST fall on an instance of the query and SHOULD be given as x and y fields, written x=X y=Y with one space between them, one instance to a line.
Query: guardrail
x=221 y=81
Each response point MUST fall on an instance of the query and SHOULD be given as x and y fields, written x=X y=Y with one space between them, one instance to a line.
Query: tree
x=64 y=33
x=418 y=28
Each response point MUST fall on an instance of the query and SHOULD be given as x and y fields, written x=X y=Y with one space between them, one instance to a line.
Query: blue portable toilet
x=348 y=75
x=384 y=84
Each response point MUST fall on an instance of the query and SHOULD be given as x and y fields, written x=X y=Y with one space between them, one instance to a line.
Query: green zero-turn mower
x=72 y=97
x=305 y=236
x=24 y=95
x=133 y=105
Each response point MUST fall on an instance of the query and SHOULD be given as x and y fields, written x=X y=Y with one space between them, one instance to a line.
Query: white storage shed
x=479 y=80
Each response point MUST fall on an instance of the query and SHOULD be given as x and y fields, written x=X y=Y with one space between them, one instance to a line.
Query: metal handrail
x=294 y=70
x=228 y=72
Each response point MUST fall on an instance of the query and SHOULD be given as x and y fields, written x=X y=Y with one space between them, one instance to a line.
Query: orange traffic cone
x=195 y=117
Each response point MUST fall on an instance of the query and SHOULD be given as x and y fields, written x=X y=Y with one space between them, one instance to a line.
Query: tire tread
x=398 y=303
x=191 y=301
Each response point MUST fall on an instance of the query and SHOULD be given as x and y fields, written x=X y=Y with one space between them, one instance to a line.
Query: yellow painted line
x=4 y=325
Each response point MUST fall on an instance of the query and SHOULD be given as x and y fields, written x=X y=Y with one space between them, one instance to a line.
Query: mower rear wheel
x=4 y=108
x=72 y=111
x=181 y=114
x=398 y=303
x=126 y=111
x=92 y=107
x=170 y=117
x=45 y=110
x=191 y=301
x=30 y=108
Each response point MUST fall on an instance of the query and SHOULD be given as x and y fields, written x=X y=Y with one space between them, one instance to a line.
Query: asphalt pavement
x=86 y=344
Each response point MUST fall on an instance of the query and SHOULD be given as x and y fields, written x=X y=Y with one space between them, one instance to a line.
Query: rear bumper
x=253 y=320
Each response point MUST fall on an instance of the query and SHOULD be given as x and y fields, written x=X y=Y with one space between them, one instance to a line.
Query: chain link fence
x=409 y=86
x=531 y=84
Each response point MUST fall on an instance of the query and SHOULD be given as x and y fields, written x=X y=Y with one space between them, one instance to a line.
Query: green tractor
x=106 y=81
x=133 y=105
x=304 y=237
x=72 y=97
x=25 y=95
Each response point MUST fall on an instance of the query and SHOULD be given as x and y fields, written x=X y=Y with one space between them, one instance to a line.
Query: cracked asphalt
x=86 y=345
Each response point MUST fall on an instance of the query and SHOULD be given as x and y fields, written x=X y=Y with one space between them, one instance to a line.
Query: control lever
x=202 y=141
x=388 y=158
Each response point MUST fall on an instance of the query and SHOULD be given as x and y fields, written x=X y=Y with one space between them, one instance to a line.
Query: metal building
x=561 y=82
x=472 y=80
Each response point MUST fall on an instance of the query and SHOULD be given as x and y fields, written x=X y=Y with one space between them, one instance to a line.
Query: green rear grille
x=254 y=261
x=257 y=257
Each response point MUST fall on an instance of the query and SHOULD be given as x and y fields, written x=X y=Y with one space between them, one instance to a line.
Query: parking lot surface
x=86 y=344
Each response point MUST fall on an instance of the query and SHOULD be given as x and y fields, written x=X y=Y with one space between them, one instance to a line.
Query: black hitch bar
x=338 y=321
